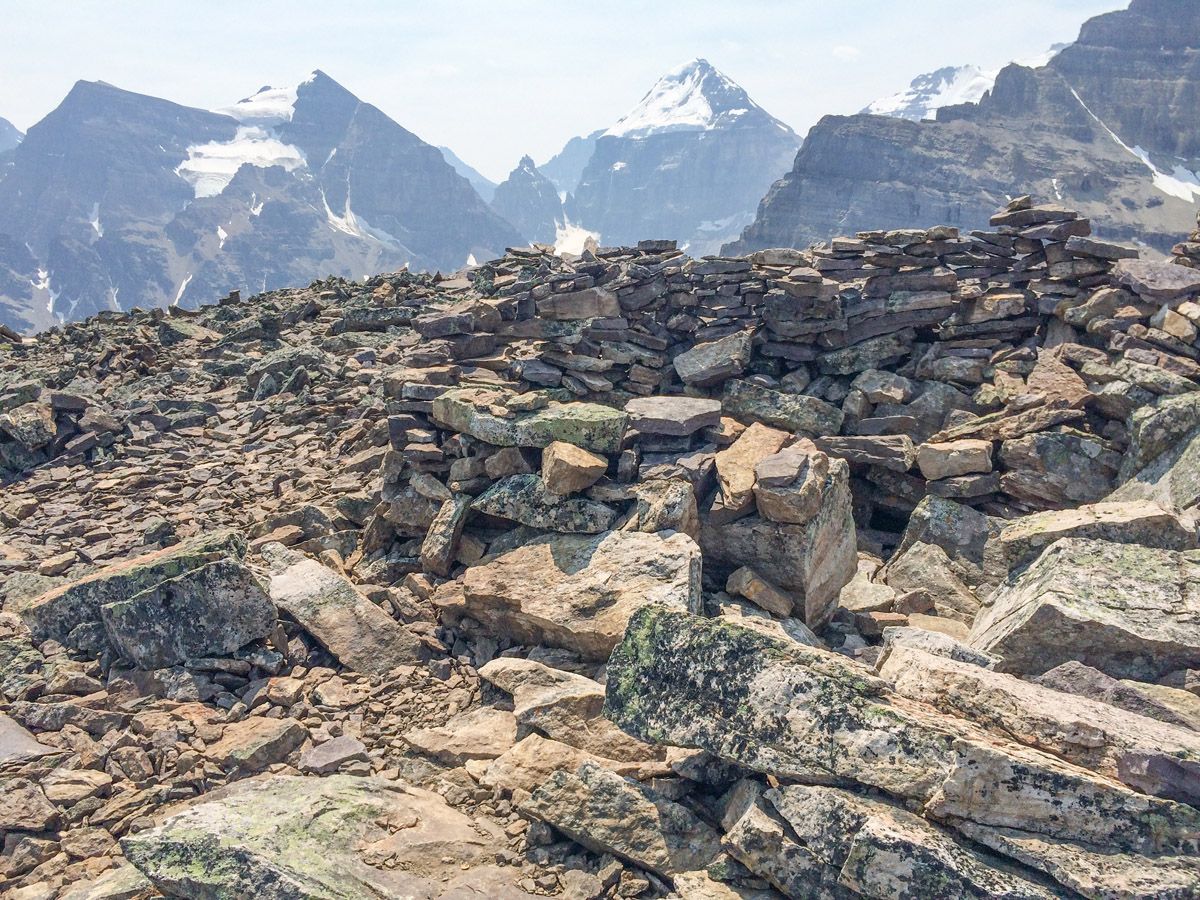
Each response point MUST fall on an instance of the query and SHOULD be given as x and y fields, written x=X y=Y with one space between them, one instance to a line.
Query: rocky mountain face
x=117 y=200
x=863 y=571
x=530 y=201
x=689 y=162
x=1109 y=125
x=484 y=186
x=566 y=167
x=10 y=135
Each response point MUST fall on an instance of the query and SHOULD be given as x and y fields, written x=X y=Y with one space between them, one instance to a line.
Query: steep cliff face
x=1108 y=126
x=566 y=167
x=529 y=201
x=689 y=163
x=116 y=200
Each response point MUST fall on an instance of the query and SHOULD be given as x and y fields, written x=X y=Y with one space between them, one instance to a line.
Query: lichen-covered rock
x=716 y=361
x=1146 y=754
x=1127 y=610
x=762 y=702
x=286 y=838
x=209 y=611
x=481 y=413
x=578 y=592
x=56 y=613
x=525 y=499
x=330 y=608
x=1134 y=522
x=798 y=413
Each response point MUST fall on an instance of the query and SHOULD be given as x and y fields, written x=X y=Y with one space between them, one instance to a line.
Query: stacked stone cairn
x=864 y=570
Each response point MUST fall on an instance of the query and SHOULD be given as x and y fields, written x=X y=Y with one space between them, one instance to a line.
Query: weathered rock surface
x=260 y=838
x=1127 y=610
x=579 y=592
x=331 y=609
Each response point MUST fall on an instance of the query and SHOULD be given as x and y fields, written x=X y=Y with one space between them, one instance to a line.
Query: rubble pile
x=864 y=570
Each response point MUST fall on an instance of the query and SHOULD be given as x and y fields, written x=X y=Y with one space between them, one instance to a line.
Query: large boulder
x=799 y=413
x=209 y=611
x=285 y=838
x=329 y=607
x=76 y=604
x=1127 y=610
x=804 y=714
x=578 y=592
x=1146 y=754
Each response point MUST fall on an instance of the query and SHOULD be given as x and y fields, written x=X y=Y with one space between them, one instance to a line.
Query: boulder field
x=867 y=570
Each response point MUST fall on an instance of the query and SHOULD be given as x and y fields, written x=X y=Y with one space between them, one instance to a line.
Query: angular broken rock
x=757 y=701
x=578 y=592
x=440 y=546
x=327 y=758
x=257 y=742
x=813 y=560
x=260 y=838
x=954 y=458
x=789 y=487
x=879 y=850
x=1134 y=522
x=209 y=611
x=566 y=707
x=329 y=607
x=1146 y=754
x=608 y=814
x=745 y=582
x=476 y=412
x=798 y=413
x=709 y=364
x=672 y=416
x=59 y=611
x=481 y=733
x=567 y=469
x=1127 y=610
x=527 y=500
x=735 y=468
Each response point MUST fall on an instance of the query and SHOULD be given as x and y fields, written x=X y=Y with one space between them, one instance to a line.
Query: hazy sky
x=494 y=79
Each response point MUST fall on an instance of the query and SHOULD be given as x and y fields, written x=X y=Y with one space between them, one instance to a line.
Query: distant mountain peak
x=948 y=86
x=695 y=96
x=269 y=105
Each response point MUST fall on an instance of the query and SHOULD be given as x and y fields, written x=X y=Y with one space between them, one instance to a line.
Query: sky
x=495 y=79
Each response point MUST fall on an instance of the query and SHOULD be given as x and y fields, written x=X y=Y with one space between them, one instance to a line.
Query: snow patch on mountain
x=572 y=239
x=269 y=106
x=692 y=97
x=949 y=86
x=94 y=220
x=210 y=167
x=1180 y=182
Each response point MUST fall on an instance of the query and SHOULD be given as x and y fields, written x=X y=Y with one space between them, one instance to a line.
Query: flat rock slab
x=59 y=611
x=482 y=414
x=673 y=416
x=749 y=402
x=1161 y=282
x=282 y=838
x=330 y=608
x=578 y=592
x=1127 y=610
x=209 y=611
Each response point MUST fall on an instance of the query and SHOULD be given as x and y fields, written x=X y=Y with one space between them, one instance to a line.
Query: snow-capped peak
x=692 y=97
x=929 y=93
x=948 y=87
x=269 y=105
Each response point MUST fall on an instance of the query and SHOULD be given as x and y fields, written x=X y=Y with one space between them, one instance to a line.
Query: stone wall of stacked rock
x=864 y=570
